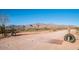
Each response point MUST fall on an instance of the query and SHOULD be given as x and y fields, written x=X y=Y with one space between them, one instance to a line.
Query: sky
x=45 y=16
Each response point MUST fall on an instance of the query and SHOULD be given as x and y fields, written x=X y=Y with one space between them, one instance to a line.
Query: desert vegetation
x=3 y=22
x=77 y=30
x=5 y=30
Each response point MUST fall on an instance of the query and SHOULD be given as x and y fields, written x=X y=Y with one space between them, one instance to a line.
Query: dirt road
x=39 y=41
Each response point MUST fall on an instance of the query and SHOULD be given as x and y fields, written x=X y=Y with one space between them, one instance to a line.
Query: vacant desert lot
x=45 y=40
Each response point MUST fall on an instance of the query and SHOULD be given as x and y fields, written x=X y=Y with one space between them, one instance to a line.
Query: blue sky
x=46 y=16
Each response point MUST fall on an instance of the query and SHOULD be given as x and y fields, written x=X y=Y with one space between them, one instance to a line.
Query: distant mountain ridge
x=40 y=25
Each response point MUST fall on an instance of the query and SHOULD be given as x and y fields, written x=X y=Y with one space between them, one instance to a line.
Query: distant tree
x=38 y=25
x=13 y=30
x=3 y=22
x=23 y=27
x=0 y=29
x=31 y=25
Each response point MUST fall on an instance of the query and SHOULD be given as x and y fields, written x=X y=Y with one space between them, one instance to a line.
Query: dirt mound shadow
x=55 y=41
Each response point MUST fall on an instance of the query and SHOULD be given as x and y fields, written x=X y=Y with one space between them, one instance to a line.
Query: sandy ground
x=47 y=40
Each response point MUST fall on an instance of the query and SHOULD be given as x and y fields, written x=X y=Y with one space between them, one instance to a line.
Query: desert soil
x=45 y=40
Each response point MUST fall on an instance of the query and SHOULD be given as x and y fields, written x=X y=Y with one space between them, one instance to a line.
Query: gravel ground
x=44 y=40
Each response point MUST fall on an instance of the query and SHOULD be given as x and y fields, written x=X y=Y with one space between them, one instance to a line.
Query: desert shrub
x=31 y=29
x=77 y=31
x=0 y=29
x=3 y=21
x=46 y=28
x=37 y=29
x=3 y=30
